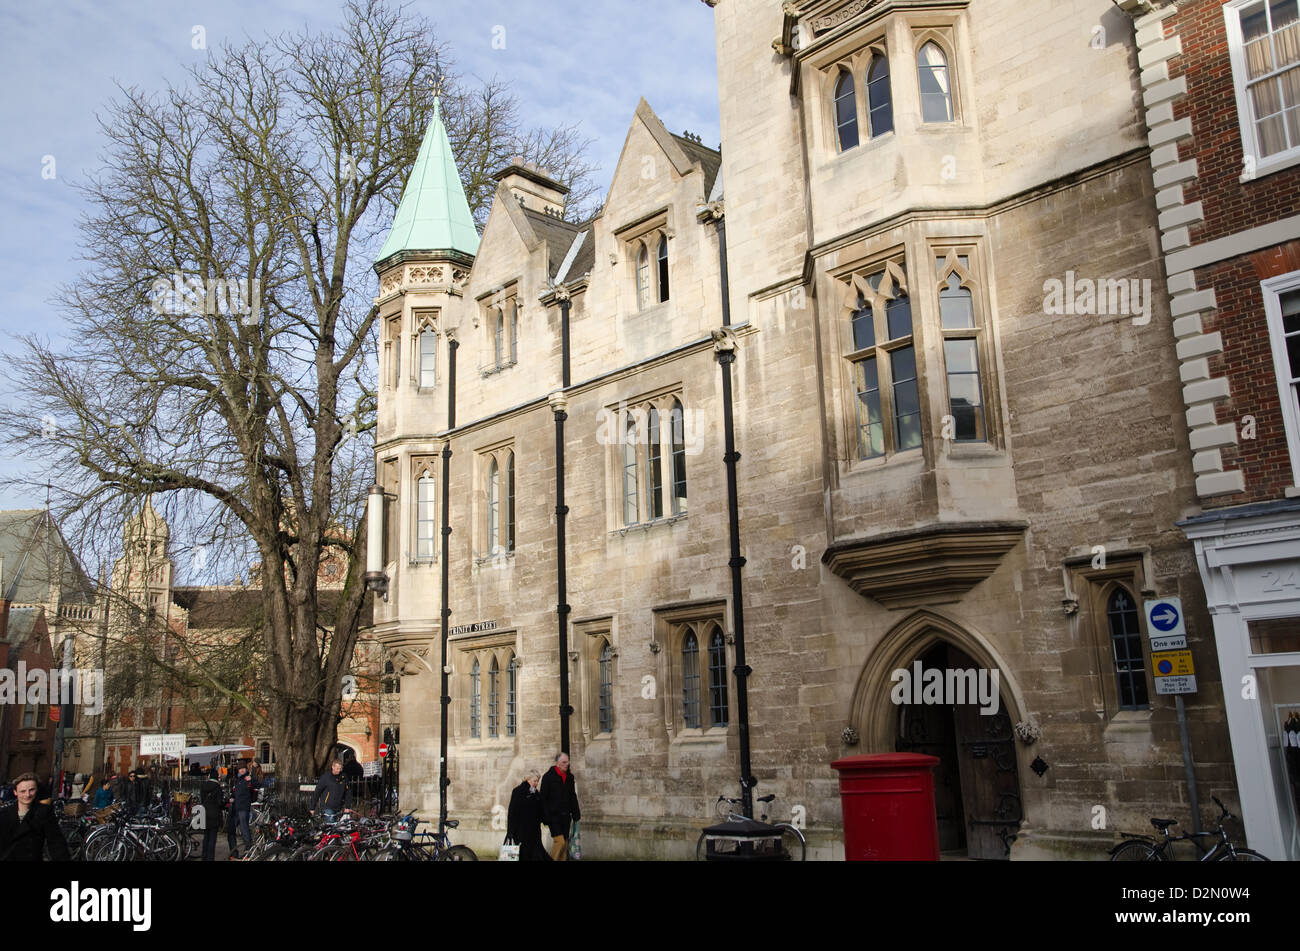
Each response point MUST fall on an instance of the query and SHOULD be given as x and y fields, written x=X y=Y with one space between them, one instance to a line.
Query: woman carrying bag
x=524 y=823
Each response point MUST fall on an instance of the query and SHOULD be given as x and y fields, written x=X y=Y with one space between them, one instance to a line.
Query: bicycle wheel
x=1135 y=850
x=793 y=844
x=1242 y=855
x=458 y=853
x=701 y=848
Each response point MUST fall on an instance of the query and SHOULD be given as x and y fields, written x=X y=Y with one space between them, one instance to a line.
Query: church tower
x=422 y=270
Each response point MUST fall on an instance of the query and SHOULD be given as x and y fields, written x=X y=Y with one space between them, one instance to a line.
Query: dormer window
x=663 y=268
x=501 y=320
x=648 y=251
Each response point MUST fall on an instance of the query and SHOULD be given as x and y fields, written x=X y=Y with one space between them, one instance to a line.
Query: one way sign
x=1165 y=624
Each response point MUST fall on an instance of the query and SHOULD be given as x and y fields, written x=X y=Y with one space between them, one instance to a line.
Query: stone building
x=1221 y=92
x=960 y=423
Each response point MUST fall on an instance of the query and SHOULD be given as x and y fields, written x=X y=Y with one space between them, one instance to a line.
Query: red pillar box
x=888 y=803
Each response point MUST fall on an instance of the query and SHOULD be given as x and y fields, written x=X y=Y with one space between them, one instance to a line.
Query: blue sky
x=585 y=60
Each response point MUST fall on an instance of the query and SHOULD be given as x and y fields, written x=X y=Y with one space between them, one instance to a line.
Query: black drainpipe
x=726 y=356
x=559 y=405
x=443 y=781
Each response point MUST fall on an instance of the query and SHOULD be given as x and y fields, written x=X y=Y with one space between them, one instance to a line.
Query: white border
x=1272 y=289
x=1245 y=115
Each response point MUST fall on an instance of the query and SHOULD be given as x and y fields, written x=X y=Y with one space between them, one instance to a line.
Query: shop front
x=1249 y=560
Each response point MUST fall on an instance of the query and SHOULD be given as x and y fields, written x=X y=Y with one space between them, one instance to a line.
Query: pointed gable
x=434 y=213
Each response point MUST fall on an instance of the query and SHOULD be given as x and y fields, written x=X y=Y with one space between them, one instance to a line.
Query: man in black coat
x=524 y=820
x=28 y=828
x=560 y=806
x=241 y=806
x=212 y=798
x=331 y=795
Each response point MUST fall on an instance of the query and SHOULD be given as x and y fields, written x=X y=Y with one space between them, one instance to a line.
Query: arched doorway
x=956 y=703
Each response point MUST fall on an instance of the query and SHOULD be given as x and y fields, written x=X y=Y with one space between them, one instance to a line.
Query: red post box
x=888 y=805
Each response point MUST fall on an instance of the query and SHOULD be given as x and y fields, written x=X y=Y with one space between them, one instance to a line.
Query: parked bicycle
x=793 y=844
x=1146 y=848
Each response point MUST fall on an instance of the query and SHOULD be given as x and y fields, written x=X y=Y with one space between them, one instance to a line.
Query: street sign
x=55 y=713
x=1172 y=663
x=383 y=750
x=1168 y=643
x=1173 y=671
x=160 y=744
x=1165 y=617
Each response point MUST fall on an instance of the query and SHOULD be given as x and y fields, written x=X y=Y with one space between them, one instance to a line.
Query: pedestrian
x=104 y=795
x=241 y=805
x=134 y=794
x=332 y=795
x=211 y=797
x=524 y=819
x=559 y=805
x=28 y=829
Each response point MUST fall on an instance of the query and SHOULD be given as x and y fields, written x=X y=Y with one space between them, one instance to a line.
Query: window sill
x=496 y=368
x=714 y=736
x=421 y=562
x=1272 y=165
x=647 y=526
x=501 y=560
x=886 y=461
x=493 y=745
x=971 y=450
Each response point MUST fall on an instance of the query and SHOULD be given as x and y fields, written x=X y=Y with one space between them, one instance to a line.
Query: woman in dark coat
x=29 y=828
x=524 y=820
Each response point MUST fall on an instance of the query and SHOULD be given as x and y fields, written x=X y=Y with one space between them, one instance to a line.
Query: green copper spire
x=433 y=214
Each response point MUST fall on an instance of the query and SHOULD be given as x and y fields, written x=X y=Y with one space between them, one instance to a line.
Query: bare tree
x=220 y=340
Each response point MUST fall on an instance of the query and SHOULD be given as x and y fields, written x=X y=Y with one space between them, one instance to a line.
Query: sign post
x=1174 y=674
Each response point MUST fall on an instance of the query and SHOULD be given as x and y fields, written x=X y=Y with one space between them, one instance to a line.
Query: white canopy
x=204 y=753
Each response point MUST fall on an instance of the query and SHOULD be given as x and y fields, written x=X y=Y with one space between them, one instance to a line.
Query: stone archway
x=978 y=792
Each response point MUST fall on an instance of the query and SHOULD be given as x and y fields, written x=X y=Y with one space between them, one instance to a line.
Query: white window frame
x=1273 y=289
x=1245 y=114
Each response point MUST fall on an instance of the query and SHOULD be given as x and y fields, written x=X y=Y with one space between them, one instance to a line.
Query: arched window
x=846 y=112
x=629 y=472
x=494 y=672
x=717 y=679
x=691 y=681
x=1126 y=649
x=663 y=268
x=936 y=87
x=961 y=357
x=880 y=103
x=428 y=359
x=514 y=330
x=676 y=420
x=642 y=278
x=474 y=698
x=512 y=686
x=606 y=664
x=426 y=517
x=494 y=507
x=655 y=484
x=510 y=501
x=499 y=337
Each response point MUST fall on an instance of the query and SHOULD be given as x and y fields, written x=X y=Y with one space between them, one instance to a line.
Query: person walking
x=212 y=798
x=524 y=820
x=559 y=806
x=28 y=829
x=241 y=805
x=332 y=796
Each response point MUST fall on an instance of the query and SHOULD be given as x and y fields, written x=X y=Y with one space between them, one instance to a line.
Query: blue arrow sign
x=1164 y=616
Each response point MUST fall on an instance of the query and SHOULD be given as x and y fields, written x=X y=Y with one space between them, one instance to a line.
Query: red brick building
x=1221 y=90
x=26 y=729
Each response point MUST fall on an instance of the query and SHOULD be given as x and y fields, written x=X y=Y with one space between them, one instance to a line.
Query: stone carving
x=847 y=12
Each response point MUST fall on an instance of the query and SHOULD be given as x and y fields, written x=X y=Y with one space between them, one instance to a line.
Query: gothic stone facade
x=950 y=452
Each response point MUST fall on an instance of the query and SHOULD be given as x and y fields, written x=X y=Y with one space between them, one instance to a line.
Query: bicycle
x=793 y=844
x=1146 y=848
x=442 y=849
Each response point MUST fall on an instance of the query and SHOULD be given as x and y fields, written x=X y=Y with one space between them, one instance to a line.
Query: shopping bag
x=575 y=843
x=509 y=852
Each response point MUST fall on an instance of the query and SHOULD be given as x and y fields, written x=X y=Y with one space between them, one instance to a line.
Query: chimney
x=533 y=187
